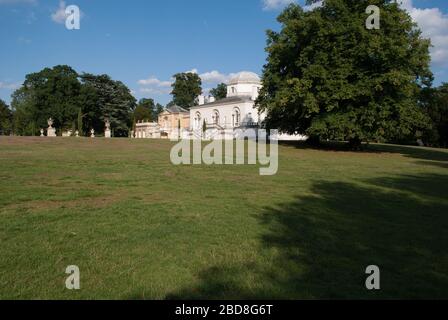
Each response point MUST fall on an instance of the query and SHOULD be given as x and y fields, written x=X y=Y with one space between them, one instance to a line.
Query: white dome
x=245 y=77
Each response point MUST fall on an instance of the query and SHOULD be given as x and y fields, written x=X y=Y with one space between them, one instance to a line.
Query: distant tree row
x=84 y=101
x=74 y=101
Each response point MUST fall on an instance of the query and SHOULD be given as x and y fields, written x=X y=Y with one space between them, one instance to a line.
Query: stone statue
x=42 y=132
x=92 y=133
x=51 y=132
x=107 y=132
x=76 y=133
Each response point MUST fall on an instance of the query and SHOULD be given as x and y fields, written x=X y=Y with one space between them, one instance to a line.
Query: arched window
x=215 y=116
x=236 y=117
x=197 y=120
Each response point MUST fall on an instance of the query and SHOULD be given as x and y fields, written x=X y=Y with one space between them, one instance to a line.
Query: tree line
x=74 y=101
x=84 y=101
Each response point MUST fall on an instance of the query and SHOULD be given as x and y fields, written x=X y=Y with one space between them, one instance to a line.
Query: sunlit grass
x=140 y=228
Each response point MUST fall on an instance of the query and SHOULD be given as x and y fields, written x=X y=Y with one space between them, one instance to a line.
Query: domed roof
x=245 y=77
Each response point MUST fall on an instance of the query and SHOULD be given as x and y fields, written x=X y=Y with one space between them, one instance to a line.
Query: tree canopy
x=73 y=101
x=328 y=76
x=52 y=92
x=5 y=119
x=220 y=92
x=144 y=110
x=186 y=89
x=436 y=104
x=104 y=98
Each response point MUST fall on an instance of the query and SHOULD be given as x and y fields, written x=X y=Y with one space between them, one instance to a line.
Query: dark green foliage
x=144 y=110
x=186 y=89
x=5 y=119
x=147 y=110
x=220 y=92
x=52 y=92
x=330 y=77
x=80 y=126
x=104 y=98
x=436 y=104
x=72 y=101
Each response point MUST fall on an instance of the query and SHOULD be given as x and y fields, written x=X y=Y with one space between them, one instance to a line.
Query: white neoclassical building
x=233 y=115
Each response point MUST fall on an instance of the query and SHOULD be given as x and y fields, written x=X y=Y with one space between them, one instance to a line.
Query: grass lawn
x=140 y=228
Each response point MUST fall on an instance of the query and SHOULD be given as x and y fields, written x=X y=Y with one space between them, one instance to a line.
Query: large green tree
x=103 y=98
x=186 y=89
x=5 y=119
x=144 y=110
x=328 y=76
x=52 y=92
x=220 y=92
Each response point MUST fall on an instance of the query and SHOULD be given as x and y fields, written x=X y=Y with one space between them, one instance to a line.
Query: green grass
x=141 y=228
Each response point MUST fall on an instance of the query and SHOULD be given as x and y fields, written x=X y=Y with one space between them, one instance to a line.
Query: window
x=215 y=116
x=197 y=120
x=236 y=117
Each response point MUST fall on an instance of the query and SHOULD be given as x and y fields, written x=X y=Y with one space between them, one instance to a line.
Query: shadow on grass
x=408 y=151
x=322 y=245
x=439 y=164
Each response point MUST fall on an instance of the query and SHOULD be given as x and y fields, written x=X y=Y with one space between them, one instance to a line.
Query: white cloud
x=152 y=81
x=154 y=86
x=214 y=77
x=192 y=71
x=276 y=4
x=155 y=90
x=9 y=85
x=434 y=25
x=210 y=79
x=59 y=15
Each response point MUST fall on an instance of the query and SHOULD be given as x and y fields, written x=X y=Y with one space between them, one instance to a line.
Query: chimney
x=201 y=100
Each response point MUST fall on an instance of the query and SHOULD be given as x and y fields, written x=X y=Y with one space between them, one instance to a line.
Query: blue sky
x=144 y=42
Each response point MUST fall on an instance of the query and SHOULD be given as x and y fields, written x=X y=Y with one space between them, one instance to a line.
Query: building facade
x=231 y=117
x=172 y=119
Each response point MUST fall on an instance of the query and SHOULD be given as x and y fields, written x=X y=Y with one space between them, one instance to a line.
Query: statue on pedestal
x=107 y=132
x=42 y=132
x=51 y=132
x=76 y=133
x=92 y=133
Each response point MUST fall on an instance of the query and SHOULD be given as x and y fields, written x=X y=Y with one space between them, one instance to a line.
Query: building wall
x=243 y=89
x=227 y=115
x=169 y=121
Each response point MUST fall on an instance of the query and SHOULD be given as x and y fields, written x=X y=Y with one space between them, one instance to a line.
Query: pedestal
x=51 y=132
x=107 y=134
